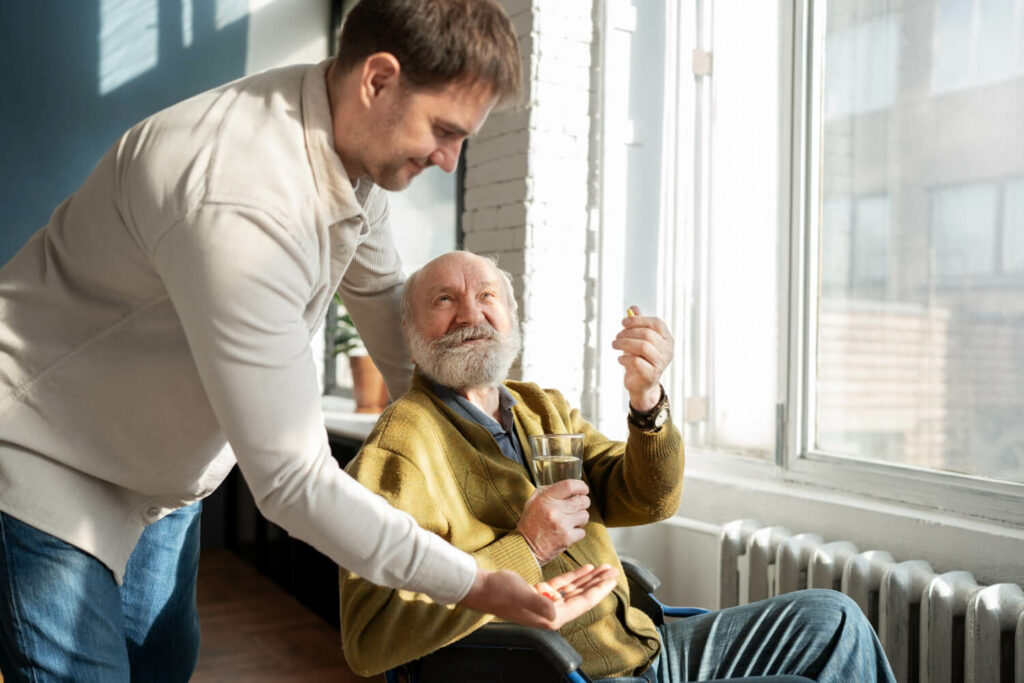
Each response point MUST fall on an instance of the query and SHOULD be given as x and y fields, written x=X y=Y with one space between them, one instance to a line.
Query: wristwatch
x=653 y=419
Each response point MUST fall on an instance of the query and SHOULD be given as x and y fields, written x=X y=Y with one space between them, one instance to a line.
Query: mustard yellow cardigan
x=450 y=475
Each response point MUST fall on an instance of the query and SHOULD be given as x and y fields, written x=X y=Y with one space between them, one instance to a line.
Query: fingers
x=575 y=535
x=570 y=506
x=562 y=581
x=506 y=595
x=581 y=578
x=644 y=344
x=588 y=581
x=588 y=593
x=645 y=321
x=573 y=593
x=550 y=523
x=647 y=347
x=567 y=488
x=566 y=496
x=638 y=338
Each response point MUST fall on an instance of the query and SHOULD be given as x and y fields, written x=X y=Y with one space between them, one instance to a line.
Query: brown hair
x=437 y=42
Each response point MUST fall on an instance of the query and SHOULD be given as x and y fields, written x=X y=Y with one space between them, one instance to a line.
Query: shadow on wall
x=77 y=74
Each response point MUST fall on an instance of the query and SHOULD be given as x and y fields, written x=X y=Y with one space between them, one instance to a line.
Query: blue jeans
x=820 y=634
x=63 y=618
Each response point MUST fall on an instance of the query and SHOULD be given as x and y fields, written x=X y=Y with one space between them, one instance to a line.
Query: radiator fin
x=991 y=612
x=934 y=627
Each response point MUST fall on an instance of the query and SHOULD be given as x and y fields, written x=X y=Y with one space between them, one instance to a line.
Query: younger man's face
x=416 y=129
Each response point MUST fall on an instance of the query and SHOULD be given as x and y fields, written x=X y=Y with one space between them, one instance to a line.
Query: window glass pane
x=869 y=46
x=423 y=223
x=836 y=240
x=921 y=297
x=963 y=223
x=974 y=42
x=871 y=247
x=633 y=221
x=742 y=353
x=423 y=218
x=1013 y=228
x=951 y=63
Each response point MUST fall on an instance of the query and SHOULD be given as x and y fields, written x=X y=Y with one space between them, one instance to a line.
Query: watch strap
x=654 y=418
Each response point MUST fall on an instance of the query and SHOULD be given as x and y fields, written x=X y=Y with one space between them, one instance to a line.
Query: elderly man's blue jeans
x=820 y=634
x=63 y=617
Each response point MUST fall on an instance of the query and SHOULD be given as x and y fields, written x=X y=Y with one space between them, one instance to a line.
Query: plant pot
x=368 y=386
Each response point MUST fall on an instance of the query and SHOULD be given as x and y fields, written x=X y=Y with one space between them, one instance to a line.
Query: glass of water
x=556 y=457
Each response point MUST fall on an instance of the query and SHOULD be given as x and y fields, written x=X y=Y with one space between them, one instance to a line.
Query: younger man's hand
x=549 y=604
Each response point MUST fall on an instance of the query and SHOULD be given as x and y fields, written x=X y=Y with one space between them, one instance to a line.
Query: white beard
x=452 y=363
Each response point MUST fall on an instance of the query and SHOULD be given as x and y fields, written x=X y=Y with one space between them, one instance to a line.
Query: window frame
x=801 y=463
x=686 y=226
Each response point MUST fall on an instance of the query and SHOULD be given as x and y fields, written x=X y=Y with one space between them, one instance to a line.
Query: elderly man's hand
x=646 y=346
x=553 y=518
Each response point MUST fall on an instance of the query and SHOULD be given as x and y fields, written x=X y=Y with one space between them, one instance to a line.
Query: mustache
x=465 y=334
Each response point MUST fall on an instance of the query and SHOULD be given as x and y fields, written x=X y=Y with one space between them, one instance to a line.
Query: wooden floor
x=253 y=631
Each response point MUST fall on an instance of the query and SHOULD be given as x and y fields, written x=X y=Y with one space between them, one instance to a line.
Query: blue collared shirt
x=503 y=430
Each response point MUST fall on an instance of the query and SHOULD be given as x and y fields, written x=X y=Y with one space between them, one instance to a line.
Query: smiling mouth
x=473 y=340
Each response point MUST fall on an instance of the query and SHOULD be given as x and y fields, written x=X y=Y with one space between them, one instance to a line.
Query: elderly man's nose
x=469 y=312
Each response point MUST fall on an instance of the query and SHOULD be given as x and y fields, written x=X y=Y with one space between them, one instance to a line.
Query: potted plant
x=368 y=388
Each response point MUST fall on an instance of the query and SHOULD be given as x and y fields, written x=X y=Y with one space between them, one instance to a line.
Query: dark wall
x=59 y=113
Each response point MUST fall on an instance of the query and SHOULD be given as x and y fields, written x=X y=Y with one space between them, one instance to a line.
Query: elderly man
x=452 y=453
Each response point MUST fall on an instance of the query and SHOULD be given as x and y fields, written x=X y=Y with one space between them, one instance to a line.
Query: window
x=918 y=356
x=843 y=261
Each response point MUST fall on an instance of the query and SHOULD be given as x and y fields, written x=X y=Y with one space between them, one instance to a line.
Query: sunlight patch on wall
x=186 y=22
x=230 y=11
x=128 y=41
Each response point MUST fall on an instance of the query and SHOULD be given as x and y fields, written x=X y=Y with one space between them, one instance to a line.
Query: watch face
x=661 y=418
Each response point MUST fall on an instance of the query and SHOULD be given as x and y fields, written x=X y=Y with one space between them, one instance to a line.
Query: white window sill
x=341 y=418
x=716 y=490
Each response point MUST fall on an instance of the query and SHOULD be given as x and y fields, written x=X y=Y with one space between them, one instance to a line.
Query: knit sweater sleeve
x=636 y=482
x=383 y=628
x=372 y=292
x=240 y=283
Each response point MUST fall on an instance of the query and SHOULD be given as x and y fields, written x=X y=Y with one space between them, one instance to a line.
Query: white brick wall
x=526 y=198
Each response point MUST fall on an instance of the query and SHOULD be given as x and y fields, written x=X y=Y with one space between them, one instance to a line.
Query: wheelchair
x=508 y=653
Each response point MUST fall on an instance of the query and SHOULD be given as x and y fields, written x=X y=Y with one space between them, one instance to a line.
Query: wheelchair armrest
x=643 y=577
x=550 y=644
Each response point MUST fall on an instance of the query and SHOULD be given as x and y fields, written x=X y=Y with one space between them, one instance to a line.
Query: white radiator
x=934 y=627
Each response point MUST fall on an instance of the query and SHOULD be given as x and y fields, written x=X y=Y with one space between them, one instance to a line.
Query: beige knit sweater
x=451 y=476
